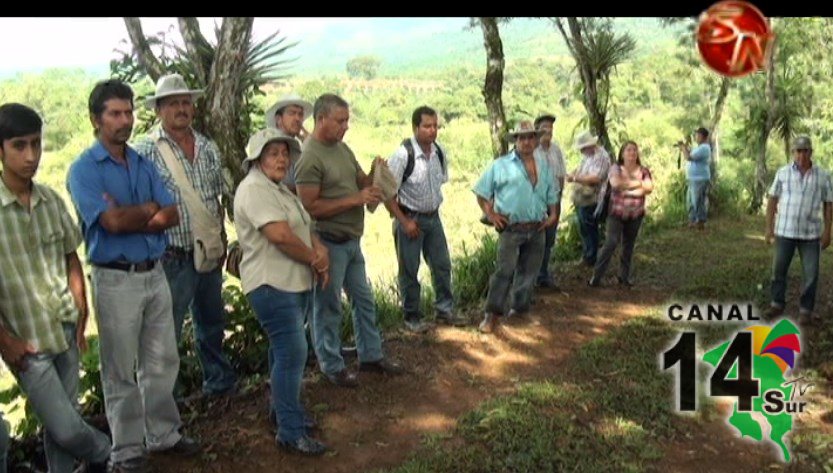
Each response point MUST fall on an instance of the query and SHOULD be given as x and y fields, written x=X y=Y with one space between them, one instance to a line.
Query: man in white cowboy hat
x=519 y=195
x=190 y=165
x=549 y=149
x=288 y=115
x=589 y=179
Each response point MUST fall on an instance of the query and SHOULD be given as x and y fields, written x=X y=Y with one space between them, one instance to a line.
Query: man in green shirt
x=43 y=306
x=334 y=190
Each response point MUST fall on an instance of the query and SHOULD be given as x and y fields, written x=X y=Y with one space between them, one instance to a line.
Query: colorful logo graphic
x=753 y=367
x=734 y=38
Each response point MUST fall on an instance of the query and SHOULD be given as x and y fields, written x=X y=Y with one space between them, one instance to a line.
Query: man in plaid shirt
x=43 y=304
x=796 y=198
x=199 y=293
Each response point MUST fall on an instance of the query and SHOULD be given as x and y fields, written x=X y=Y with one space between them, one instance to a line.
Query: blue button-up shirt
x=698 y=167
x=506 y=182
x=94 y=174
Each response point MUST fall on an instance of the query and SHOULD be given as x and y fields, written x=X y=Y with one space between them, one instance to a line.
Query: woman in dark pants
x=630 y=182
x=282 y=259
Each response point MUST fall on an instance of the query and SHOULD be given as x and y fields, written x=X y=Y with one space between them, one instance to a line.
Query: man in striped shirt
x=793 y=217
x=43 y=304
x=417 y=225
x=199 y=293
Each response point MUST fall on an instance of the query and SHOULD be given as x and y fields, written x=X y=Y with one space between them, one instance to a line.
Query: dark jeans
x=432 y=244
x=201 y=294
x=618 y=230
x=588 y=228
x=281 y=315
x=518 y=260
x=549 y=242
x=808 y=251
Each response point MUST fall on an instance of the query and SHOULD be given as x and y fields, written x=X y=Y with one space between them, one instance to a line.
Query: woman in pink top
x=630 y=182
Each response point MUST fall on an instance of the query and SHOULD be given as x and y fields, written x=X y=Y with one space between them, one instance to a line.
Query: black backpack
x=409 y=167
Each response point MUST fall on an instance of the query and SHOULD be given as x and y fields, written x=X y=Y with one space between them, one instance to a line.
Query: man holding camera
x=699 y=177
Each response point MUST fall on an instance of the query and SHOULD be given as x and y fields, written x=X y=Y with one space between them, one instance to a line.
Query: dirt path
x=450 y=372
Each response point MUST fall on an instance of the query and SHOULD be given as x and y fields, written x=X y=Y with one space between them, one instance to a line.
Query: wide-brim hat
x=286 y=100
x=802 y=142
x=262 y=138
x=168 y=85
x=524 y=127
x=586 y=139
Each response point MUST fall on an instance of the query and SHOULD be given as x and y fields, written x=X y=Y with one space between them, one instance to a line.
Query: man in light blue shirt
x=699 y=177
x=518 y=194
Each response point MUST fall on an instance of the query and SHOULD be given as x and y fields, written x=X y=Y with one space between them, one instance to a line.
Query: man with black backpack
x=420 y=167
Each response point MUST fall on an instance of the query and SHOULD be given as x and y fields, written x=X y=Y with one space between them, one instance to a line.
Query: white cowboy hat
x=524 y=127
x=261 y=138
x=171 y=84
x=586 y=139
x=289 y=99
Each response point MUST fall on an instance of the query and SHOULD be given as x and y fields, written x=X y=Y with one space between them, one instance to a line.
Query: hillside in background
x=417 y=46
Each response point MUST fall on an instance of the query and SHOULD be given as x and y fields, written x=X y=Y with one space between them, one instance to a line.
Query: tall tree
x=231 y=72
x=493 y=86
x=597 y=50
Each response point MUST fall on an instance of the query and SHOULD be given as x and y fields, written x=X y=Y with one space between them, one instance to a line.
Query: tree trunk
x=141 y=47
x=772 y=109
x=224 y=120
x=714 y=125
x=594 y=105
x=493 y=87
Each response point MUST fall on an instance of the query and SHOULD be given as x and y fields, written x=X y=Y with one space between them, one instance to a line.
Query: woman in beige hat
x=275 y=231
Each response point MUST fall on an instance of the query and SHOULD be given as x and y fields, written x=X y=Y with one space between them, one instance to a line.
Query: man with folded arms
x=200 y=293
x=124 y=210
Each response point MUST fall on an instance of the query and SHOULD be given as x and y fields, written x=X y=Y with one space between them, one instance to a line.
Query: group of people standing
x=153 y=226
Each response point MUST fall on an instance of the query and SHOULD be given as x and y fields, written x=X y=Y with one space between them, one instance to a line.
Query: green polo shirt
x=34 y=292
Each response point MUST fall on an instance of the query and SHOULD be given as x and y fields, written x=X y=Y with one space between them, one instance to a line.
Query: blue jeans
x=808 y=251
x=51 y=386
x=549 y=242
x=432 y=244
x=518 y=260
x=588 y=228
x=347 y=270
x=202 y=293
x=281 y=316
x=698 y=204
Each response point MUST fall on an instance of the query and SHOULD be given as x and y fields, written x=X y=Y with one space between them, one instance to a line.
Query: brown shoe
x=383 y=366
x=773 y=312
x=343 y=378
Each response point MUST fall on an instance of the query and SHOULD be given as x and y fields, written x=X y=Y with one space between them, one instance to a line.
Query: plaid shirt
x=34 y=292
x=599 y=165
x=800 y=201
x=421 y=192
x=205 y=174
x=627 y=207
x=555 y=158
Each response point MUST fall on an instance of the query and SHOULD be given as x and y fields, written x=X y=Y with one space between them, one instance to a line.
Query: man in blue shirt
x=519 y=195
x=699 y=177
x=124 y=209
